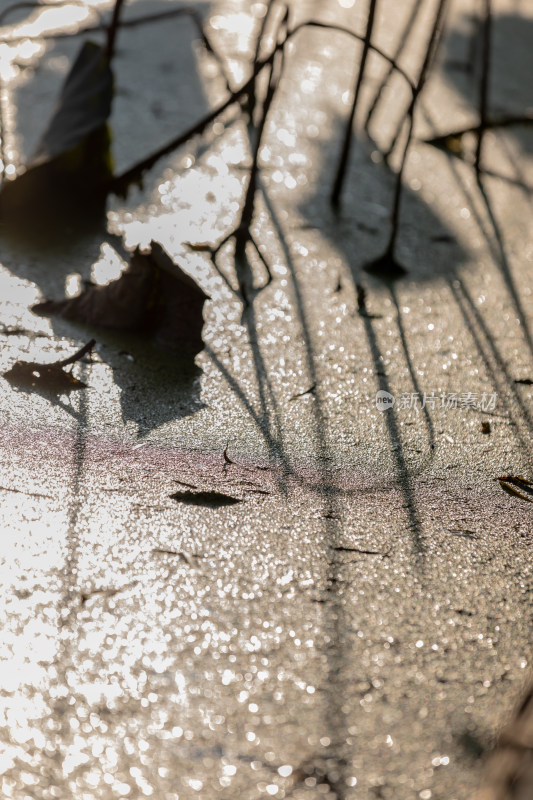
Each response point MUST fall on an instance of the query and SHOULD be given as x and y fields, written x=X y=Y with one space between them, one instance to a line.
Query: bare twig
x=77 y=356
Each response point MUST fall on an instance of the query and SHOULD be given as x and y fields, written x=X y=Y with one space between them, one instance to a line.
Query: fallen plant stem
x=77 y=356
x=440 y=142
x=186 y=557
x=348 y=133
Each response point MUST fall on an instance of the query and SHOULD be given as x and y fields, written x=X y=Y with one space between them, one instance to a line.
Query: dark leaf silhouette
x=47 y=377
x=209 y=499
x=73 y=158
x=153 y=295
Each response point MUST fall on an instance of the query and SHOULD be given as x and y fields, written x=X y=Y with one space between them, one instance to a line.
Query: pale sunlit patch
x=313 y=74
x=217 y=163
x=258 y=10
x=7 y=760
x=137 y=234
x=299 y=159
x=74 y=756
x=285 y=137
x=95 y=693
x=181 y=685
x=237 y=70
x=50 y=19
x=240 y=25
x=7 y=69
x=188 y=217
x=233 y=153
x=19 y=712
x=27 y=49
x=108 y=267
x=73 y=284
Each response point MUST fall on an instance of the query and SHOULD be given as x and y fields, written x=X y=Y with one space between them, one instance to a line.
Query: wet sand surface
x=357 y=623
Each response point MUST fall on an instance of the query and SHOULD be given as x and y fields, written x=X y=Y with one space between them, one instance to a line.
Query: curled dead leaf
x=152 y=296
